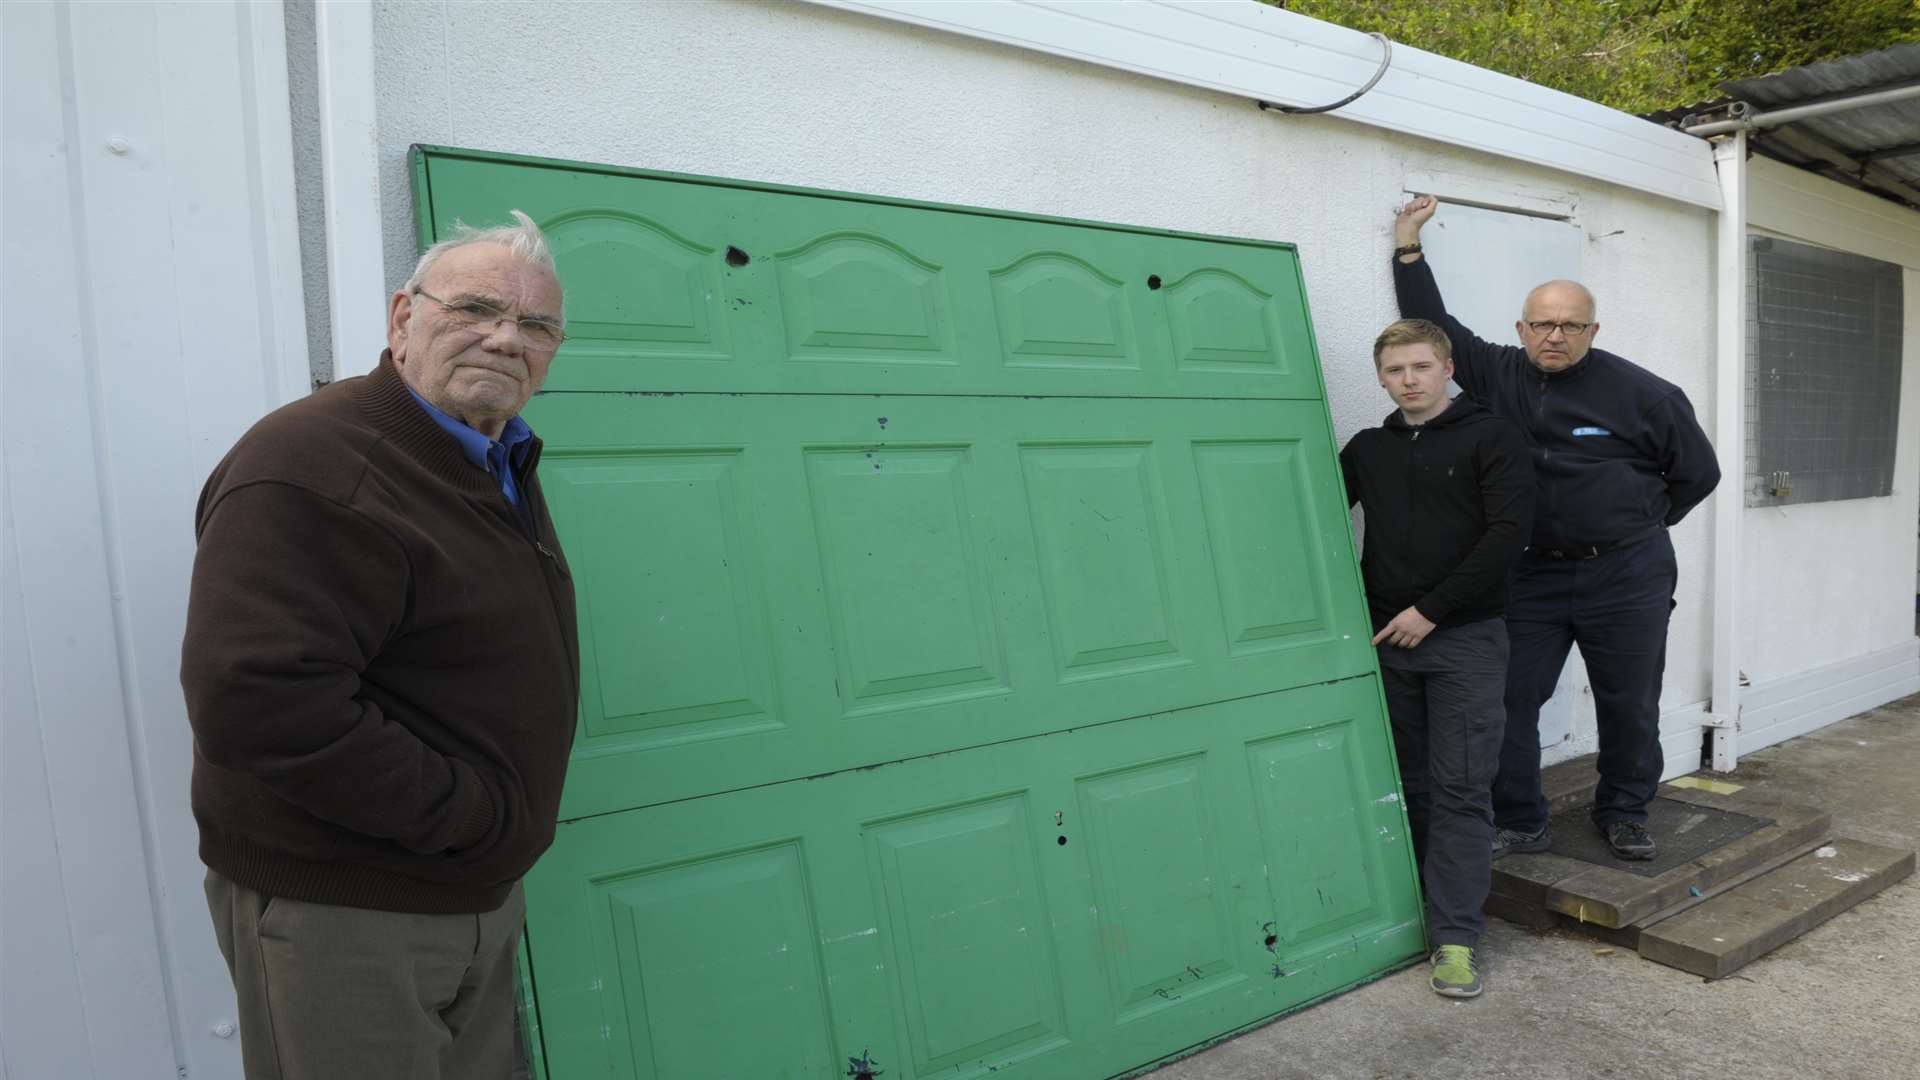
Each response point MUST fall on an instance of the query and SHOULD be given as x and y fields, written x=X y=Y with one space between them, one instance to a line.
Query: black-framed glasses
x=479 y=315
x=1570 y=329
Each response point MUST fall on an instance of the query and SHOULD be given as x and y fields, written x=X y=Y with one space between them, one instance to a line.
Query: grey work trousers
x=340 y=993
x=1445 y=701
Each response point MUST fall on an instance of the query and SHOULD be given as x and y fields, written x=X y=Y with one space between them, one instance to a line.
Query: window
x=1823 y=374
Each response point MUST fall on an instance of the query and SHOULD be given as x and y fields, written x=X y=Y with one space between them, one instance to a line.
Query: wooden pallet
x=1713 y=914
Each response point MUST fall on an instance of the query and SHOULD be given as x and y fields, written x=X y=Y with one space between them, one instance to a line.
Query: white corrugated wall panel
x=1260 y=52
x=153 y=312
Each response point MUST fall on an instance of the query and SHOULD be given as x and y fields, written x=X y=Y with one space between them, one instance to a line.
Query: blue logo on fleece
x=1579 y=431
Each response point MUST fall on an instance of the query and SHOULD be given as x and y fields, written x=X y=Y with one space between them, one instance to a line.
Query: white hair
x=523 y=238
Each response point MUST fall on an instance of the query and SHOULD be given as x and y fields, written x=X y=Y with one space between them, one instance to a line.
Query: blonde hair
x=1413 y=332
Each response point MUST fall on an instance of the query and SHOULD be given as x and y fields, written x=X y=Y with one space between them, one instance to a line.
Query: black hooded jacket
x=1449 y=506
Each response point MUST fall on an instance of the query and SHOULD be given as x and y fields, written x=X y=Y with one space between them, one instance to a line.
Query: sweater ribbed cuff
x=478 y=824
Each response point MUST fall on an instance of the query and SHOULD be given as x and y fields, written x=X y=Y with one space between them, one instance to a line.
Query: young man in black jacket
x=1620 y=459
x=1447 y=489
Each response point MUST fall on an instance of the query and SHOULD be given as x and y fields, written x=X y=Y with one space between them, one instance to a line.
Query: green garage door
x=976 y=676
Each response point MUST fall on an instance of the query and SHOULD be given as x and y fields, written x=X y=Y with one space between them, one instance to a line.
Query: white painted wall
x=153 y=311
x=805 y=95
x=1825 y=584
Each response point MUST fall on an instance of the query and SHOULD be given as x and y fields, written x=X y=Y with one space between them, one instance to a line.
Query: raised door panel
x=1160 y=881
x=677 y=642
x=1055 y=309
x=1266 y=526
x=859 y=298
x=659 y=953
x=1232 y=318
x=637 y=290
x=775 y=587
x=1100 y=523
x=679 y=285
x=1322 y=832
x=1076 y=904
x=970 y=932
x=903 y=566
x=720 y=964
x=1223 y=322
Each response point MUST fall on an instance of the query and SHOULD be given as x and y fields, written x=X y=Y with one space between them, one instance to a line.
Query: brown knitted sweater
x=381 y=666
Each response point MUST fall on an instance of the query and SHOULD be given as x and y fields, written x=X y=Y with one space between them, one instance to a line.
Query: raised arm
x=1475 y=360
x=1409 y=221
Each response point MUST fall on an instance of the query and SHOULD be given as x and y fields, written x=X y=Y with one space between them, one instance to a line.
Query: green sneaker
x=1454 y=974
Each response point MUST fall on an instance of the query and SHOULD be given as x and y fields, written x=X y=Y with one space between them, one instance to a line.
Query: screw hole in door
x=1063 y=841
x=1153 y=281
x=736 y=257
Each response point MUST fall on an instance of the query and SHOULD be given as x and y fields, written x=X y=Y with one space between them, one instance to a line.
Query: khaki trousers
x=340 y=993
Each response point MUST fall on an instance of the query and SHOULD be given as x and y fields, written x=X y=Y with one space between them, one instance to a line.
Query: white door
x=1486 y=261
x=152 y=283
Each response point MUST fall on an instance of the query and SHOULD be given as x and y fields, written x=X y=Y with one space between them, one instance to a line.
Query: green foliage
x=1635 y=55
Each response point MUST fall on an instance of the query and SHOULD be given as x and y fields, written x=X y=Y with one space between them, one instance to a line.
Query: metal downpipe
x=1729 y=433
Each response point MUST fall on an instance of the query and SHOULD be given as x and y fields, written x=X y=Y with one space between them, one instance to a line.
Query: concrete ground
x=1841 y=1001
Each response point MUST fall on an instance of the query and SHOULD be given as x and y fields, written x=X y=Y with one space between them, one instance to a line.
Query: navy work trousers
x=1443 y=699
x=1616 y=606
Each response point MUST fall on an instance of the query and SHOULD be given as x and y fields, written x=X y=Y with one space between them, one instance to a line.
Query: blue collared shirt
x=499 y=457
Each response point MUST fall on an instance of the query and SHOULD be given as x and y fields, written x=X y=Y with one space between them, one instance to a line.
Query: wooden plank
x=1614 y=898
x=1528 y=878
x=1531 y=916
x=1520 y=882
x=1732 y=930
x=1629 y=936
x=1597 y=897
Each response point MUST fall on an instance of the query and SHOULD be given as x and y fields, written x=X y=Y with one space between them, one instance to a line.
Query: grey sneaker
x=1512 y=841
x=1629 y=840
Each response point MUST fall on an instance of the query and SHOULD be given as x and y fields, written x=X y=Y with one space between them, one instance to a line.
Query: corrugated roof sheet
x=1878 y=146
x=1829 y=78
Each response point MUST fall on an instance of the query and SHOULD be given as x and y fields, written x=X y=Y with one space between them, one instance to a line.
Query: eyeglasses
x=1570 y=329
x=479 y=315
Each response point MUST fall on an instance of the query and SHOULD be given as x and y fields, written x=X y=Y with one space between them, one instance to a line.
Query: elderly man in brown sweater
x=381 y=668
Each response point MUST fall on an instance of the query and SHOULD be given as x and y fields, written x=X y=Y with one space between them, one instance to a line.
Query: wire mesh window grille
x=1823 y=373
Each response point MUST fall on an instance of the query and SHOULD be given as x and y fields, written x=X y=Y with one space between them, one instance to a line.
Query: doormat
x=1682 y=831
